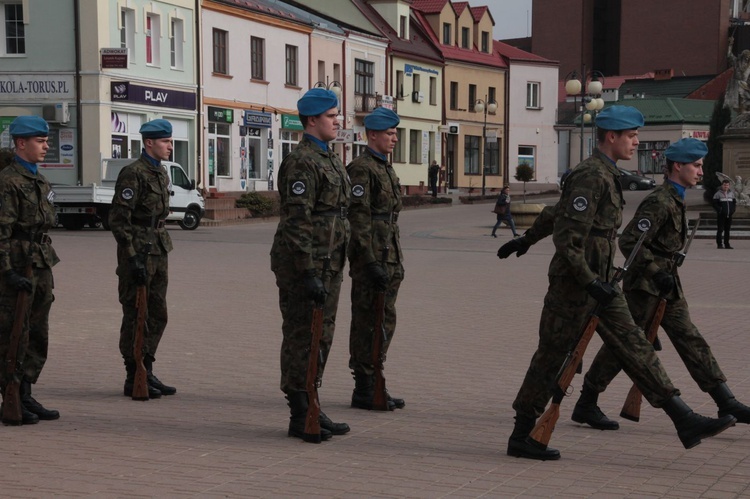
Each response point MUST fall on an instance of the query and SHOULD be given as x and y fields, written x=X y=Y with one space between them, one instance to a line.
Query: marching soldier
x=375 y=255
x=26 y=214
x=139 y=208
x=314 y=190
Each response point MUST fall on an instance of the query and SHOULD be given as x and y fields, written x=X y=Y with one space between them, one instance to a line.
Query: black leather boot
x=35 y=407
x=519 y=446
x=728 y=405
x=298 y=409
x=364 y=393
x=587 y=411
x=334 y=428
x=153 y=393
x=153 y=380
x=26 y=416
x=692 y=427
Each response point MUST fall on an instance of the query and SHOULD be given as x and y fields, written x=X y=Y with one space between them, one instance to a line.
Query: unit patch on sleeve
x=298 y=188
x=644 y=224
x=580 y=203
x=358 y=191
x=127 y=194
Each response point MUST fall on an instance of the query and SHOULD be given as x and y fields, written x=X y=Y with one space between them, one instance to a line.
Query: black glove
x=138 y=269
x=314 y=286
x=603 y=292
x=519 y=246
x=377 y=275
x=664 y=282
x=18 y=281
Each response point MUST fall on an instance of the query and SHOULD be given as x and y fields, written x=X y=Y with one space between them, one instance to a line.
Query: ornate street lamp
x=482 y=106
x=591 y=95
x=333 y=86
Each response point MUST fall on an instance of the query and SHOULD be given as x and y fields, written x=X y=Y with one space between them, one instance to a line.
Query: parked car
x=633 y=181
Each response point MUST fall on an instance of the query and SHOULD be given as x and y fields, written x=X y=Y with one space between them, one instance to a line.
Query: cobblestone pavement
x=467 y=330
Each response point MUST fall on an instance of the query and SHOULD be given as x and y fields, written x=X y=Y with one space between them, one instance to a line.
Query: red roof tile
x=429 y=6
x=512 y=53
x=459 y=7
x=478 y=12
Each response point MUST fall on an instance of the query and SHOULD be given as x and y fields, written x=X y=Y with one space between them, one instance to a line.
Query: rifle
x=542 y=432
x=140 y=383
x=380 y=397
x=312 y=381
x=11 y=412
x=631 y=409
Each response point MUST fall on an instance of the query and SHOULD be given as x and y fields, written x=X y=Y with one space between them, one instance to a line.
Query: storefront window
x=289 y=141
x=219 y=150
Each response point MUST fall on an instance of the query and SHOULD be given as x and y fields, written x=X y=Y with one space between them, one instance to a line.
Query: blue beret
x=686 y=151
x=381 y=119
x=29 y=126
x=317 y=101
x=617 y=118
x=156 y=129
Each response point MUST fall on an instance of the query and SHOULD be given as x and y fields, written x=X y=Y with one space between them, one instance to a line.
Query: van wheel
x=73 y=223
x=191 y=221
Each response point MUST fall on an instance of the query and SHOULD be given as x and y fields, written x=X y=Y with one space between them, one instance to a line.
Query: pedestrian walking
x=502 y=210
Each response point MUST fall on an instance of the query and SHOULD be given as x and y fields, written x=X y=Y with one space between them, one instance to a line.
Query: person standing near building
x=432 y=177
x=139 y=208
x=26 y=214
x=502 y=210
x=724 y=203
x=375 y=255
x=584 y=228
x=314 y=192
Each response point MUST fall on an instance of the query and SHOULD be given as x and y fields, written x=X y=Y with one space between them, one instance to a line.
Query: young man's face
x=324 y=126
x=160 y=149
x=383 y=141
x=625 y=144
x=725 y=186
x=32 y=149
x=688 y=174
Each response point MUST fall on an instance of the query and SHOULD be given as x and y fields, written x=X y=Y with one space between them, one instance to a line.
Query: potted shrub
x=525 y=214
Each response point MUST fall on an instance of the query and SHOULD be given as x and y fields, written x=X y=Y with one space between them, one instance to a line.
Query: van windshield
x=179 y=178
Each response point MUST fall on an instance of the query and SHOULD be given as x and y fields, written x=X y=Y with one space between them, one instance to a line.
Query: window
x=471 y=154
x=433 y=91
x=322 y=71
x=127 y=30
x=364 y=73
x=532 y=95
x=291 y=65
x=485 y=42
x=219 y=152
x=416 y=83
x=12 y=29
x=472 y=97
x=446 y=34
x=220 y=52
x=153 y=35
x=402 y=28
x=176 y=41
x=465 y=38
x=415 y=148
x=492 y=157
x=454 y=95
x=491 y=95
x=289 y=141
x=398 y=150
x=527 y=155
x=257 y=58
x=337 y=72
x=399 y=84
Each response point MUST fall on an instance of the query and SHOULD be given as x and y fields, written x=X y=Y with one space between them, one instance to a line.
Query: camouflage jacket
x=376 y=194
x=26 y=209
x=141 y=195
x=542 y=226
x=586 y=221
x=313 y=189
x=662 y=213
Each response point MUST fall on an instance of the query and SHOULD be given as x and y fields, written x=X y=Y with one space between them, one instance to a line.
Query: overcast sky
x=512 y=17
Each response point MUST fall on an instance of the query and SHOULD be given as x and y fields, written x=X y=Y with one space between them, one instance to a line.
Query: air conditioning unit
x=453 y=128
x=56 y=113
x=417 y=97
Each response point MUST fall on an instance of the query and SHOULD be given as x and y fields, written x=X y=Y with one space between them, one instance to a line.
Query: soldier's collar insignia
x=358 y=191
x=127 y=194
x=298 y=188
x=580 y=203
x=644 y=224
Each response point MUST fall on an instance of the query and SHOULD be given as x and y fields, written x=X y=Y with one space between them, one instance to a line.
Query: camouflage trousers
x=33 y=346
x=362 y=330
x=156 y=318
x=296 y=315
x=566 y=309
x=687 y=340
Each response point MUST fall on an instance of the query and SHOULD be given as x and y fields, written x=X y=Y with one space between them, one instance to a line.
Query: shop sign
x=124 y=91
x=258 y=119
x=220 y=114
x=291 y=122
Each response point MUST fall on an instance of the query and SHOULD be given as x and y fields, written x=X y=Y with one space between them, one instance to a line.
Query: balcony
x=364 y=103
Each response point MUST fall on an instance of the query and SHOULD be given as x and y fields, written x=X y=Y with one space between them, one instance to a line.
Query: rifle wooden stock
x=312 y=418
x=542 y=431
x=140 y=384
x=631 y=409
x=379 y=400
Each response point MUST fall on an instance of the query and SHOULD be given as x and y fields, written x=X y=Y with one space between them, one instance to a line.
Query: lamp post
x=589 y=88
x=482 y=106
x=333 y=86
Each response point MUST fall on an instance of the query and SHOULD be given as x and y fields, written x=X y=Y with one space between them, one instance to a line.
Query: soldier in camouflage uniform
x=314 y=190
x=139 y=208
x=375 y=252
x=584 y=229
x=26 y=214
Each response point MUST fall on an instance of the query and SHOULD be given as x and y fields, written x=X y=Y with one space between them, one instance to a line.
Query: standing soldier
x=139 y=207
x=584 y=227
x=375 y=251
x=314 y=190
x=26 y=213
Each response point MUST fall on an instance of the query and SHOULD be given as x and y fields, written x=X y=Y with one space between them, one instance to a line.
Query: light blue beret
x=29 y=126
x=316 y=101
x=686 y=151
x=156 y=129
x=619 y=118
x=381 y=119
